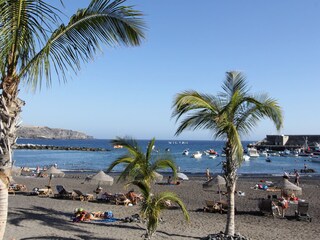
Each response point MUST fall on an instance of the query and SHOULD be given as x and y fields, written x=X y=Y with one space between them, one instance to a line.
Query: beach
x=34 y=217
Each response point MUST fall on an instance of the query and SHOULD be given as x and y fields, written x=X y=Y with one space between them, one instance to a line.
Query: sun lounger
x=122 y=199
x=13 y=188
x=82 y=196
x=302 y=212
x=267 y=207
x=45 y=192
x=107 y=197
x=63 y=193
x=213 y=206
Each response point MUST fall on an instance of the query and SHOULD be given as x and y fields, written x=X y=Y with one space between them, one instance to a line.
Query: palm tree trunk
x=10 y=108
x=231 y=178
x=3 y=206
x=230 y=226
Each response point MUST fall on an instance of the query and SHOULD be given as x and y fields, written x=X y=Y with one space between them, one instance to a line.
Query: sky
x=189 y=45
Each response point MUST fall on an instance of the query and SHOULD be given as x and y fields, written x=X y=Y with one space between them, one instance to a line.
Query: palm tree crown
x=140 y=165
x=33 y=42
x=229 y=114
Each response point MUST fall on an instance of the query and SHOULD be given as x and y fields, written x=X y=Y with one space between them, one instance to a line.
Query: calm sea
x=93 y=161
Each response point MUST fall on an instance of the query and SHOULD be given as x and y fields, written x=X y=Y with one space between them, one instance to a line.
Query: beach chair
x=63 y=193
x=302 y=212
x=45 y=192
x=14 y=187
x=213 y=206
x=107 y=197
x=266 y=207
x=83 y=196
x=121 y=198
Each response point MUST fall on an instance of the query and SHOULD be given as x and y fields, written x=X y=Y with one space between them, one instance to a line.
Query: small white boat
x=246 y=157
x=212 y=156
x=197 y=155
x=185 y=152
x=252 y=152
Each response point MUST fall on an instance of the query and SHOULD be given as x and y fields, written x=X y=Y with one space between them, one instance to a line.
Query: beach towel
x=106 y=220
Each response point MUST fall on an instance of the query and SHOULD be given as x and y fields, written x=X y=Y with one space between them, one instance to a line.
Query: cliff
x=50 y=133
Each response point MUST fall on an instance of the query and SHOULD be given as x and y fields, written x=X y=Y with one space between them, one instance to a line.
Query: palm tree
x=228 y=115
x=153 y=205
x=140 y=165
x=34 y=43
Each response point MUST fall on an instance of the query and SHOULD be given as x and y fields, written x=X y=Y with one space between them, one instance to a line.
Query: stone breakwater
x=48 y=147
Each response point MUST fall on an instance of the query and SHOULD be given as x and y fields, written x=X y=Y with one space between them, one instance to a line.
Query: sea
x=92 y=161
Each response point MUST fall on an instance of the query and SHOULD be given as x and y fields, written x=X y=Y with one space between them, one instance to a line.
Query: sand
x=34 y=217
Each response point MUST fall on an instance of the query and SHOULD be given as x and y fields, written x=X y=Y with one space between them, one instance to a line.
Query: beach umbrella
x=15 y=171
x=182 y=176
x=52 y=171
x=158 y=177
x=100 y=178
x=289 y=187
x=217 y=181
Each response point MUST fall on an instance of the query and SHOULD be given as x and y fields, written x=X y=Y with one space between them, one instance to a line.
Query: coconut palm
x=153 y=205
x=140 y=165
x=228 y=115
x=34 y=43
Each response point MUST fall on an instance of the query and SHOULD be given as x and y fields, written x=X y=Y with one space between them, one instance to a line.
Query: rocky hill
x=50 y=133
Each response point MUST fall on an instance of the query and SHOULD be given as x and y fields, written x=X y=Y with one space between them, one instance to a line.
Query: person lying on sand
x=81 y=215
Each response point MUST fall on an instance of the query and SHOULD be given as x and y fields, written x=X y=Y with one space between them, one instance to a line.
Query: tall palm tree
x=140 y=165
x=228 y=115
x=153 y=205
x=34 y=43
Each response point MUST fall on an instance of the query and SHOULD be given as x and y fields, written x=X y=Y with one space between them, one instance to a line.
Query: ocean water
x=94 y=161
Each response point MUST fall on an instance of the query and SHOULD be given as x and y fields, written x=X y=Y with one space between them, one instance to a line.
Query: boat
x=253 y=152
x=268 y=160
x=197 y=155
x=185 y=152
x=246 y=157
x=117 y=146
x=212 y=152
x=212 y=156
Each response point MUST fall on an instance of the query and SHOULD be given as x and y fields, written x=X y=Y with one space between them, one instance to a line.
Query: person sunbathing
x=133 y=197
x=81 y=215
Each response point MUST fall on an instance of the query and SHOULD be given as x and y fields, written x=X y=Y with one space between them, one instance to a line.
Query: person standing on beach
x=208 y=174
x=297 y=177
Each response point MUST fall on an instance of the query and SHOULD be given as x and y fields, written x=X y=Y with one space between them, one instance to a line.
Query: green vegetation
x=34 y=43
x=229 y=114
x=141 y=168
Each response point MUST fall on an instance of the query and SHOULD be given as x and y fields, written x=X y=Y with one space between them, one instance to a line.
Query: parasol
x=217 y=181
x=289 y=188
x=182 y=176
x=100 y=177
x=54 y=171
x=158 y=177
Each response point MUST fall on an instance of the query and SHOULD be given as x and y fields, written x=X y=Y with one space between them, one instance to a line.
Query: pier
x=290 y=142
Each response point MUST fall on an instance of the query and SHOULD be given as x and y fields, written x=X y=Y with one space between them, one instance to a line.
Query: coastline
x=52 y=217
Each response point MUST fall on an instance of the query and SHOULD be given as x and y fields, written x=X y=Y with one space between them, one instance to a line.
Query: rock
x=49 y=133
x=222 y=236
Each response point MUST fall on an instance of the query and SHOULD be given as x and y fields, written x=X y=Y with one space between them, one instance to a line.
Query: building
x=290 y=142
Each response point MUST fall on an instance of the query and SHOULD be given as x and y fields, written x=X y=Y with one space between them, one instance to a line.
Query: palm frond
x=24 y=26
x=121 y=160
x=234 y=82
x=149 y=149
x=164 y=163
x=103 y=21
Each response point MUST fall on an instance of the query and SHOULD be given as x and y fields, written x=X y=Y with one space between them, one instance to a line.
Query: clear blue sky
x=190 y=45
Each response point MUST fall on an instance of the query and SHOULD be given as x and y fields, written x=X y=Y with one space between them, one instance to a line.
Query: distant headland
x=36 y=132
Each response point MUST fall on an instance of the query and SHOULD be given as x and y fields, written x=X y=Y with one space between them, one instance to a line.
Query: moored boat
x=197 y=155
